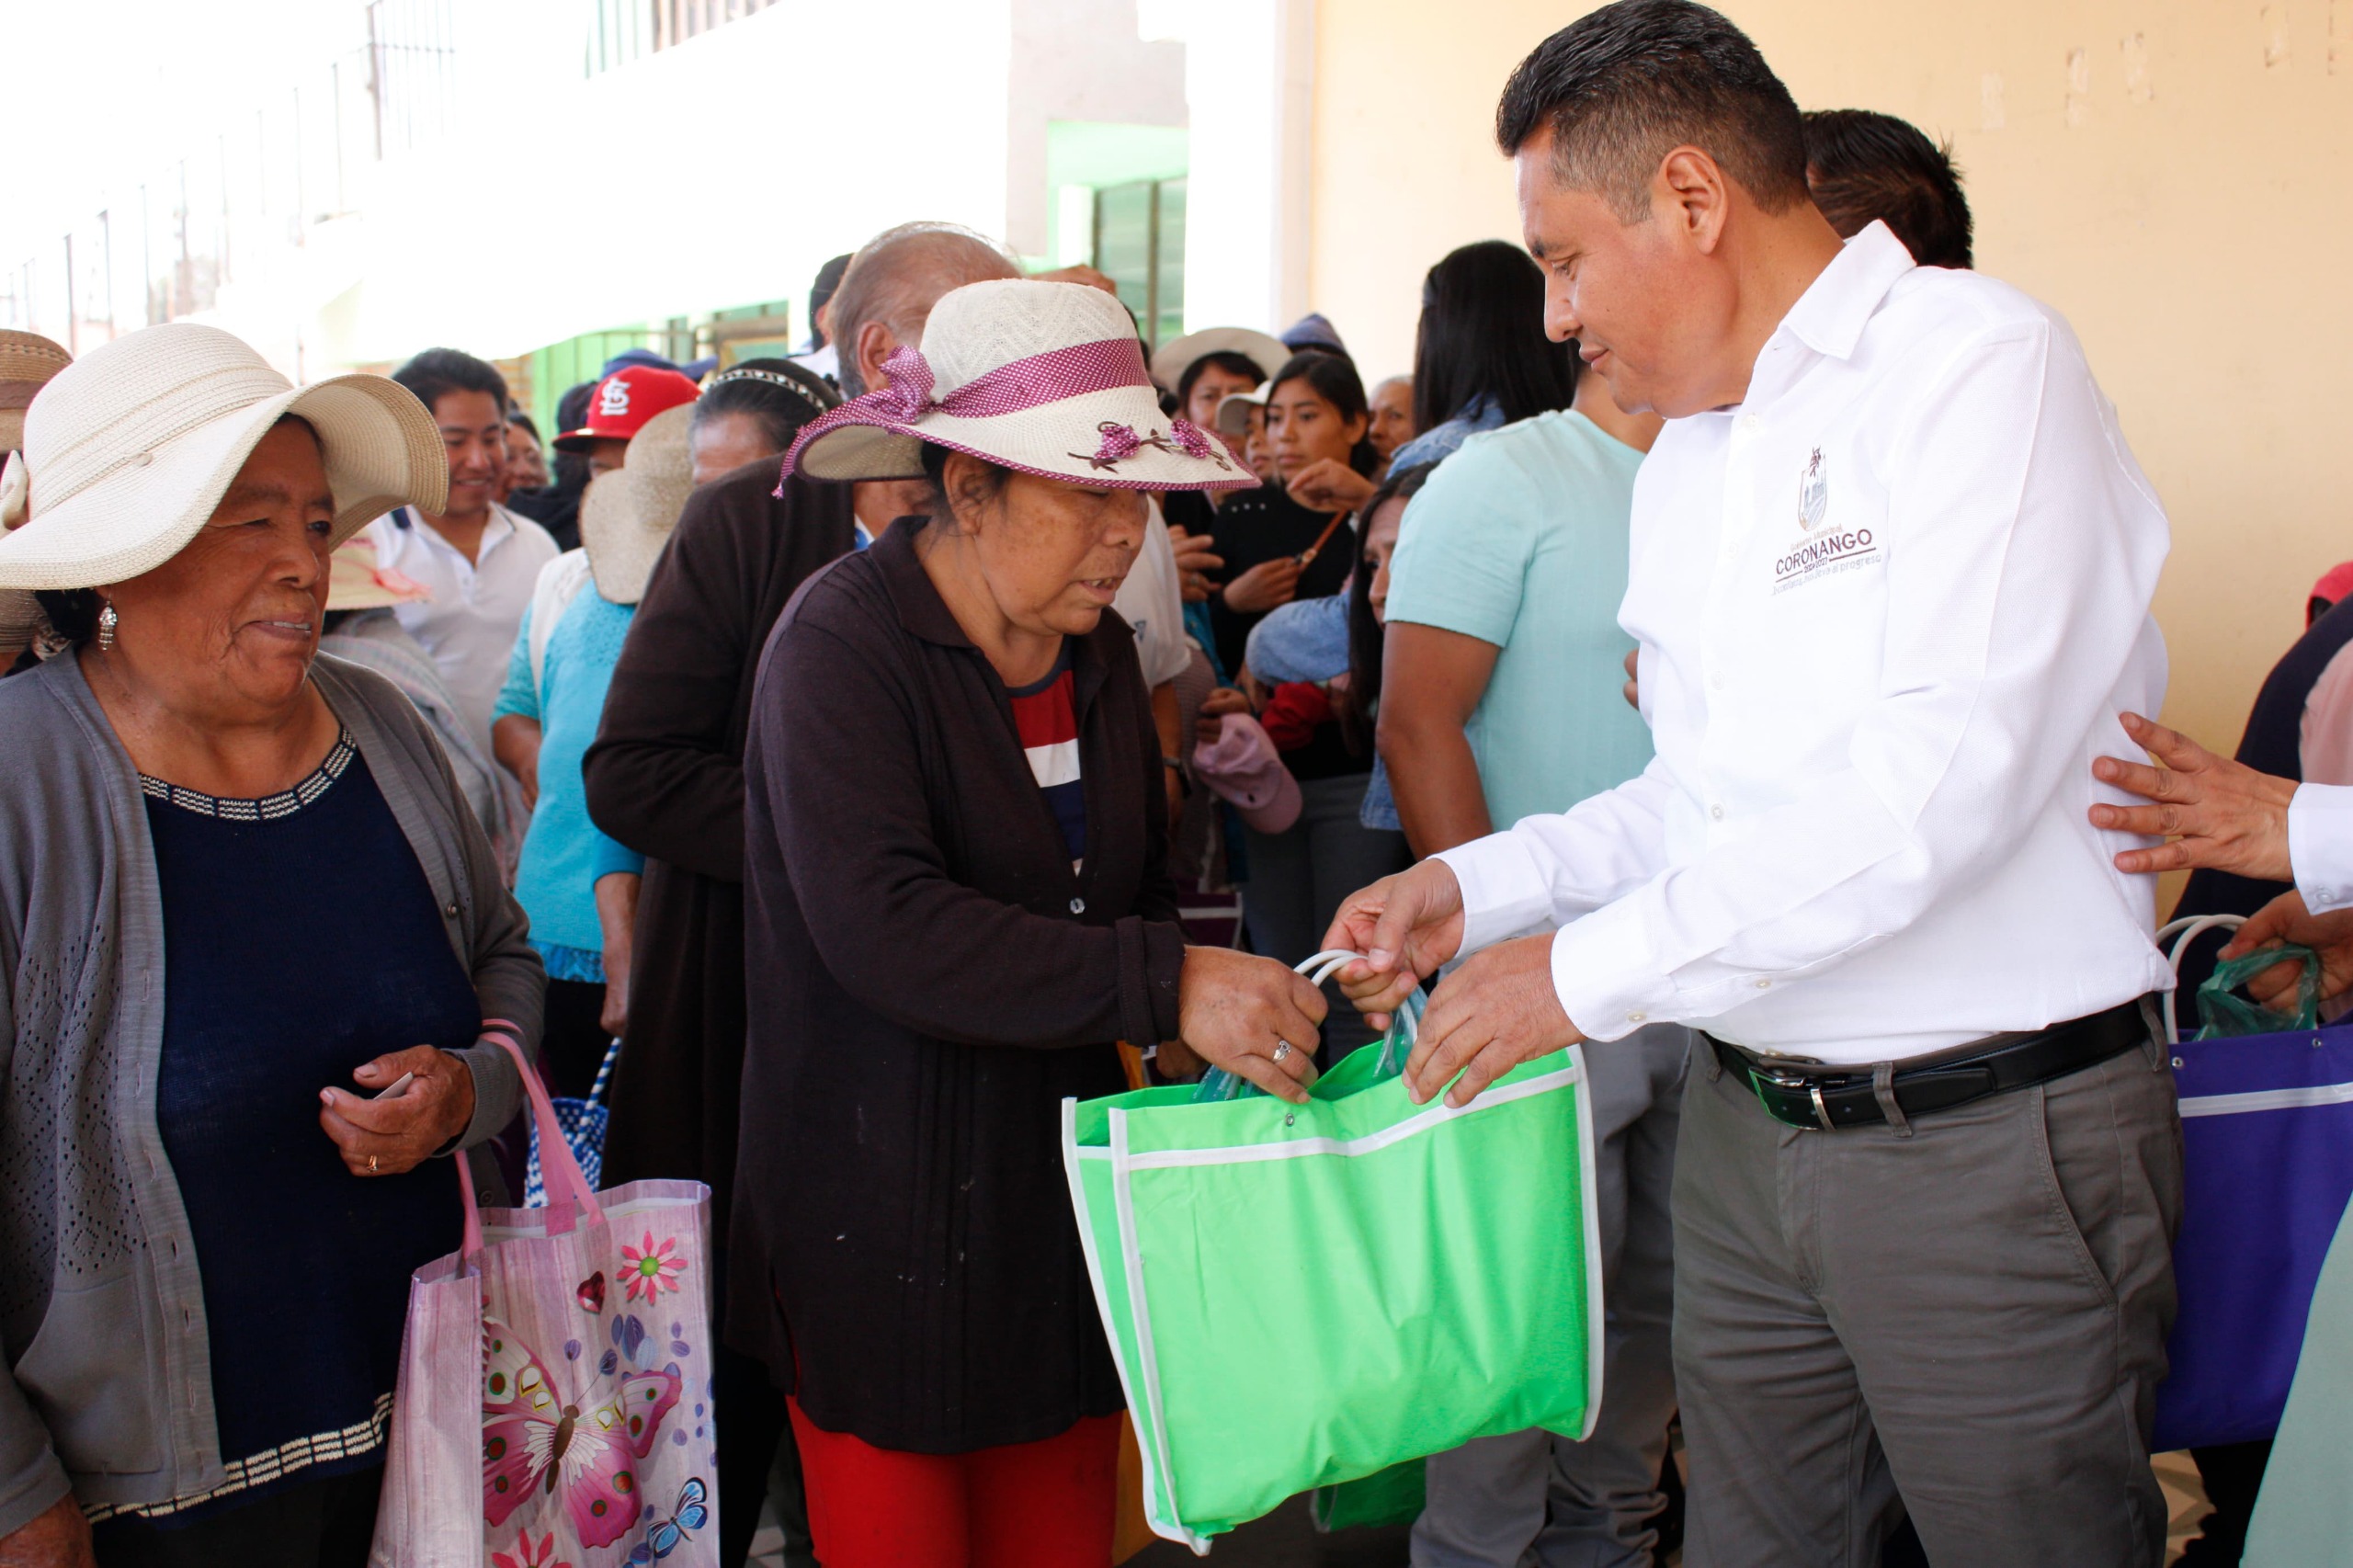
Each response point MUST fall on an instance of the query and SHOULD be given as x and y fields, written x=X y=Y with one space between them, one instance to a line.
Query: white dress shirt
x=1151 y=602
x=470 y=622
x=1889 y=607
x=2320 y=845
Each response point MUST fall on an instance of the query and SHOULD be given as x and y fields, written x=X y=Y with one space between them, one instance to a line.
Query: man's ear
x=1692 y=191
x=875 y=342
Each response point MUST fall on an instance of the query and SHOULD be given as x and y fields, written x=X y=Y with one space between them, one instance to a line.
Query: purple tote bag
x=2267 y=1131
x=555 y=1408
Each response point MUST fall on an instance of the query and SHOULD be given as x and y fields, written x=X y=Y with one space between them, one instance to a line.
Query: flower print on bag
x=648 y=1270
x=527 y=1555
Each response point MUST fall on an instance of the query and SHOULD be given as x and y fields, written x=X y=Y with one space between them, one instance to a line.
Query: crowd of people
x=1724 y=644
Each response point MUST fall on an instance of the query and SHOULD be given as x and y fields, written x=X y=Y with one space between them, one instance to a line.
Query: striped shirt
x=1047 y=720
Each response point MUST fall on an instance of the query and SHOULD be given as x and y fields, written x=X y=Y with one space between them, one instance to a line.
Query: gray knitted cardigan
x=104 y=1366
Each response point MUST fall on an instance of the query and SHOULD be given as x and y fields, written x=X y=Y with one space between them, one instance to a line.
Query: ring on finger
x=1282 y=1051
x=372 y=1164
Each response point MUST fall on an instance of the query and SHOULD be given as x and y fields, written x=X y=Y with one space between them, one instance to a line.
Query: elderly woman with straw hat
x=957 y=901
x=27 y=360
x=250 y=935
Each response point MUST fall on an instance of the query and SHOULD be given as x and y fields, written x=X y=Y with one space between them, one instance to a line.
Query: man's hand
x=1329 y=485
x=1496 y=1011
x=59 y=1537
x=387 y=1137
x=2285 y=919
x=1406 y=926
x=1265 y=586
x=2218 y=813
x=1239 y=1012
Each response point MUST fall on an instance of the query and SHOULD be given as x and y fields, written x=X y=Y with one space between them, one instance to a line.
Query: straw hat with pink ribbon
x=1047 y=379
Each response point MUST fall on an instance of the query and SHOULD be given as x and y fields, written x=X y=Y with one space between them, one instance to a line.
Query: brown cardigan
x=929 y=979
x=665 y=777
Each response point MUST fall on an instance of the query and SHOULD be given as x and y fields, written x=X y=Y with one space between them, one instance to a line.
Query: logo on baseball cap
x=624 y=401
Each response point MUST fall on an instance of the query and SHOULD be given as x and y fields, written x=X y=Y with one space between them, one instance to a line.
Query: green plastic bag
x=2229 y=1016
x=1300 y=1297
x=1392 y=1497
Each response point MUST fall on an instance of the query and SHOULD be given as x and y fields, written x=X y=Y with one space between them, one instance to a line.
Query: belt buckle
x=1810 y=1086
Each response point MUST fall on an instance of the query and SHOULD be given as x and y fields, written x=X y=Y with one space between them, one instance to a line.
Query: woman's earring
x=108 y=622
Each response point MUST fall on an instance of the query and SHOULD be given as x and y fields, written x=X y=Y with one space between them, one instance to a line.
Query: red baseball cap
x=624 y=401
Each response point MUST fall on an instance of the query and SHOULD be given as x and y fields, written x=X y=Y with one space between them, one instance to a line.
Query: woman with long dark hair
x=1481 y=355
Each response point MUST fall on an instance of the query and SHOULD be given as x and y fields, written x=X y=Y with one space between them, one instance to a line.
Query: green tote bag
x=1302 y=1296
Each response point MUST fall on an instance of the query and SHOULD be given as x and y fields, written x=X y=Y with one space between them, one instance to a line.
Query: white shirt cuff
x=2320 y=845
x=1605 y=976
x=1503 y=892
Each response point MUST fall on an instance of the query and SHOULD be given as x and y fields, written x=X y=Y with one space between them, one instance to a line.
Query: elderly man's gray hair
x=899 y=275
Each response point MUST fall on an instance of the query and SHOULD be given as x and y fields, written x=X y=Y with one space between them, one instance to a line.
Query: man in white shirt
x=478 y=560
x=1890 y=578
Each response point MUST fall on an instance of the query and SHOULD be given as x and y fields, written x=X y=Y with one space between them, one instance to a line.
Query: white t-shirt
x=1151 y=602
x=469 y=624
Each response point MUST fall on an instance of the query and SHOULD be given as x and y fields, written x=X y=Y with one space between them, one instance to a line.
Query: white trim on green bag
x=1139 y=1308
x=1347 y=1148
x=1596 y=1312
x=1154 y=1483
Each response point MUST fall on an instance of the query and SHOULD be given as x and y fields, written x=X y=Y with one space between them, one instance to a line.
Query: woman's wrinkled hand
x=59 y=1537
x=1238 y=1011
x=387 y=1137
x=2286 y=919
x=2216 y=811
x=1329 y=485
x=1268 y=586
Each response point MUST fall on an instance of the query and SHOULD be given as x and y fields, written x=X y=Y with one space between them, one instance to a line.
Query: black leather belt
x=1824 y=1099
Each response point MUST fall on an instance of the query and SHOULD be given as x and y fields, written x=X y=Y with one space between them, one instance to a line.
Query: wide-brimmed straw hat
x=1174 y=357
x=1045 y=378
x=27 y=361
x=130 y=448
x=628 y=514
x=356 y=580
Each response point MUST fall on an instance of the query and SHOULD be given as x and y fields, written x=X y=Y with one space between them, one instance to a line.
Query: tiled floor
x=1286 y=1540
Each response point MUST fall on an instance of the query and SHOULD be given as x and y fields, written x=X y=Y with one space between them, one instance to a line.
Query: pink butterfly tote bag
x=555 y=1408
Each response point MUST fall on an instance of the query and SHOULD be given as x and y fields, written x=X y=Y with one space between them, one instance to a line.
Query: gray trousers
x=1498 y=1501
x=1973 y=1315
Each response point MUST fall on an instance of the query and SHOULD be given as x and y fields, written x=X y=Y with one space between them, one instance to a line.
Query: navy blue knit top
x=300 y=941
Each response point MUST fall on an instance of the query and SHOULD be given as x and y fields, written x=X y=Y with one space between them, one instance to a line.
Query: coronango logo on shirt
x=1821 y=552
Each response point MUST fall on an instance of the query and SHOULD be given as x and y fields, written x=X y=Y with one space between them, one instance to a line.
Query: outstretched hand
x=1251 y=1016
x=1496 y=1011
x=1406 y=926
x=2217 y=813
x=2285 y=919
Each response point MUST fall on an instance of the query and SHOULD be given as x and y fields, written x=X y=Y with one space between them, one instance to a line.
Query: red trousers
x=1051 y=1503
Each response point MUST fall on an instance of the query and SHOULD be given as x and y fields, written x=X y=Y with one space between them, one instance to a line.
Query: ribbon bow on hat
x=908 y=397
x=16 y=489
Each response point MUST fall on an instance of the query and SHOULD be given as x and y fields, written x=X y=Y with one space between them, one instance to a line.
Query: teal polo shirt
x=1520 y=539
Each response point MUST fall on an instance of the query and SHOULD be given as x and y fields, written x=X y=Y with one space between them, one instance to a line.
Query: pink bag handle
x=560 y=1171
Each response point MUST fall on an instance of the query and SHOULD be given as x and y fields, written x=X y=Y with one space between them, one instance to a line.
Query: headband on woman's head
x=752 y=373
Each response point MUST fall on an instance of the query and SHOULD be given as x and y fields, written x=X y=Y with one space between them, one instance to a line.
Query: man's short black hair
x=1863 y=166
x=1622 y=87
x=437 y=372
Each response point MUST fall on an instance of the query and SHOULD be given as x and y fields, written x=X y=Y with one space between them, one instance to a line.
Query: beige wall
x=2169 y=175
